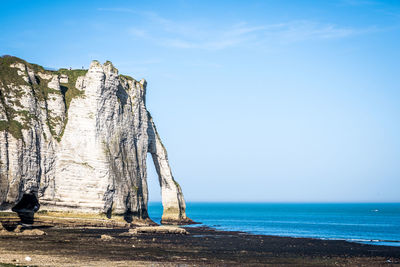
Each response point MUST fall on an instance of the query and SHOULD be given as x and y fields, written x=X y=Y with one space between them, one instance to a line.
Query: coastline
x=364 y=222
x=83 y=246
x=373 y=242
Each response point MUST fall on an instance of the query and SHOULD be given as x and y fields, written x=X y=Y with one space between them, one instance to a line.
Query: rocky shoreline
x=119 y=245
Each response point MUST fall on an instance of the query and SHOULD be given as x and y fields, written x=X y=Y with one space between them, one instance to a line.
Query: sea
x=368 y=223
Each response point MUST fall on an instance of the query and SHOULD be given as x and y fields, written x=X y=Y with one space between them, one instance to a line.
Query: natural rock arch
x=171 y=193
x=78 y=140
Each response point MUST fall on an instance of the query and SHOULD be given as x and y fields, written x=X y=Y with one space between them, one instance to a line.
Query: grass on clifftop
x=68 y=89
x=126 y=77
x=11 y=92
x=9 y=77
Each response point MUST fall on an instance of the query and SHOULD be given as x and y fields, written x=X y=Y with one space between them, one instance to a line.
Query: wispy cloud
x=309 y=30
x=204 y=35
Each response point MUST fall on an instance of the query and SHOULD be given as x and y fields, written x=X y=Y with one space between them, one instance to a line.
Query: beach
x=202 y=246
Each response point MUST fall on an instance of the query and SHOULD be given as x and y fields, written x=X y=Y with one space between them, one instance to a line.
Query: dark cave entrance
x=26 y=208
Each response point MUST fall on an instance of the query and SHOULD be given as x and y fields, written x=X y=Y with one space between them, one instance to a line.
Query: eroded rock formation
x=77 y=140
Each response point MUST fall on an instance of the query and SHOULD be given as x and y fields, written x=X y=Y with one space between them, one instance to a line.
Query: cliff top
x=16 y=73
x=11 y=76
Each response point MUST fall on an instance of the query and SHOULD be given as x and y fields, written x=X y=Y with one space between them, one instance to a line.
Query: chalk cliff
x=77 y=140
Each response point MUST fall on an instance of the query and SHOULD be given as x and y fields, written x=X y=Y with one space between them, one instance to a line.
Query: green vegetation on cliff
x=69 y=89
x=9 y=75
x=13 y=127
x=9 y=78
x=11 y=91
x=18 y=77
x=126 y=77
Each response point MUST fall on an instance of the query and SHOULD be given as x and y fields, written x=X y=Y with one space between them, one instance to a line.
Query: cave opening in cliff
x=154 y=206
x=26 y=208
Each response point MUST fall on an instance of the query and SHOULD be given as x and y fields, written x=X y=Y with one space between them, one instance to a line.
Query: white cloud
x=243 y=34
x=307 y=30
x=208 y=36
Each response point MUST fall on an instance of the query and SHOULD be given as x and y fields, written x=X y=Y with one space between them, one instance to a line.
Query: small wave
x=362 y=240
x=380 y=243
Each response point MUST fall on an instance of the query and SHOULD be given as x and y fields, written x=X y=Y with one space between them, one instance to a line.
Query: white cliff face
x=78 y=142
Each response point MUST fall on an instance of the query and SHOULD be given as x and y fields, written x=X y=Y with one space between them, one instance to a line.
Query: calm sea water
x=372 y=223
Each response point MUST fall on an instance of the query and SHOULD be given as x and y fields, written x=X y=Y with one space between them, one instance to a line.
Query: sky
x=255 y=101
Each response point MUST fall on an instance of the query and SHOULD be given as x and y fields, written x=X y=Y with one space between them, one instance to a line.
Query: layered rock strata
x=77 y=141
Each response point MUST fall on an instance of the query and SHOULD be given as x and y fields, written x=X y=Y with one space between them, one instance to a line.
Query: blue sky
x=283 y=101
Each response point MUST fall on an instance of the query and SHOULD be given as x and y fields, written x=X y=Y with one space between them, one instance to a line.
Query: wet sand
x=79 y=246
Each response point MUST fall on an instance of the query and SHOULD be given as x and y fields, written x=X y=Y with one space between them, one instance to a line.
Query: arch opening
x=154 y=206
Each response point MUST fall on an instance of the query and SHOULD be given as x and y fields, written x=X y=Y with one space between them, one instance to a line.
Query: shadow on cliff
x=26 y=208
